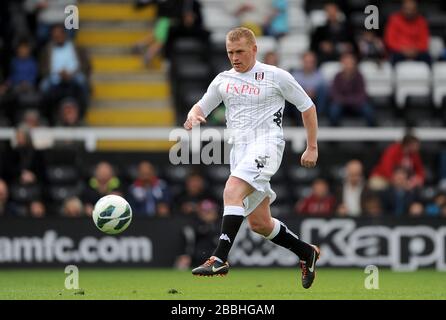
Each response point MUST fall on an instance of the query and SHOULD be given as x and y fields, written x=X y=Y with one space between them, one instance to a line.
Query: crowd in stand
x=391 y=188
x=44 y=80
x=42 y=69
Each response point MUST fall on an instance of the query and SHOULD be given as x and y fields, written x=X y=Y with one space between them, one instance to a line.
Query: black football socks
x=232 y=219
x=284 y=237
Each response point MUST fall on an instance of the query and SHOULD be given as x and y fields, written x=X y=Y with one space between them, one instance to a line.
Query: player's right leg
x=261 y=222
x=234 y=212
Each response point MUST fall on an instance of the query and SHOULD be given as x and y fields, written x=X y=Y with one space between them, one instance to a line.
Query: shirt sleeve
x=211 y=99
x=293 y=92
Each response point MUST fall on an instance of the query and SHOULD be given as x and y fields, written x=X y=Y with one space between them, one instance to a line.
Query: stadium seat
x=217 y=191
x=436 y=20
x=59 y=193
x=264 y=45
x=217 y=19
x=299 y=174
x=298 y=21
x=59 y=174
x=427 y=193
x=289 y=63
x=176 y=174
x=25 y=193
x=293 y=45
x=189 y=94
x=282 y=209
x=301 y=191
x=218 y=173
x=412 y=78
x=218 y=36
x=193 y=71
x=317 y=18
x=358 y=4
x=282 y=192
x=439 y=83
x=220 y=63
x=329 y=70
x=378 y=78
x=436 y=47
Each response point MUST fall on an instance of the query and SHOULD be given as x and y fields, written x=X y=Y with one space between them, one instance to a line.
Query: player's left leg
x=235 y=191
x=261 y=222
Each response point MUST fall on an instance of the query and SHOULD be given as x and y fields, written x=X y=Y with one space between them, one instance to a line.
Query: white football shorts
x=256 y=163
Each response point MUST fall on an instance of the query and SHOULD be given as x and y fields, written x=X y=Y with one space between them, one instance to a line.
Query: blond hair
x=239 y=33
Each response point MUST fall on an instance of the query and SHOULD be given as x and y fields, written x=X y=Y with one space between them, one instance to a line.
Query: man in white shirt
x=254 y=95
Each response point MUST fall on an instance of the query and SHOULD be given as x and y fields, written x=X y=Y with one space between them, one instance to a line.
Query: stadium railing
x=46 y=137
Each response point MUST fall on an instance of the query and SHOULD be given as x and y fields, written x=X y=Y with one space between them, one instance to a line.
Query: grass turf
x=256 y=284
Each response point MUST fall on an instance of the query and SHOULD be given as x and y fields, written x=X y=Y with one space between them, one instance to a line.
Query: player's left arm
x=310 y=155
x=294 y=93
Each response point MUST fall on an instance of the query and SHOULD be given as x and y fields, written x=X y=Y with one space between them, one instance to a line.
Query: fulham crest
x=259 y=75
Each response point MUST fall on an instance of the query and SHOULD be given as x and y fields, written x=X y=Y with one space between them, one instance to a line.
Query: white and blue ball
x=112 y=214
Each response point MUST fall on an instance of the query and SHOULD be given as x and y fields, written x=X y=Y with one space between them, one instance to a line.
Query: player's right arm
x=194 y=117
x=211 y=99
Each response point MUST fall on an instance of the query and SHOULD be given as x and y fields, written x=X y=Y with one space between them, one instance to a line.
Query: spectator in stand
x=21 y=81
x=416 y=209
x=31 y=119
x=371 y=47
x=24 y=164
x=195 y=191
x=335 y=38
x=319 y=203
x=37 y=209
x=312 y=81
x=188 y=25
x=48 y=13
x=407 y=34
x=68 y=115
x=434 y=208
x=7 y=207
x=348 y=93
x=175 y=19
x=276 y=24
x=72 y=208
x=103 y=182
x=149 y=195
x=65 y=68
x=373 y=206
x=352 y=193
x=200 y=236
x=271 y=58
x=403 y=154
x=24 y=69
x=398 y=197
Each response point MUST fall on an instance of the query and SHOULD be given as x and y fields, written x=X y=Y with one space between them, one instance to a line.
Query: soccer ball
x=112 y=214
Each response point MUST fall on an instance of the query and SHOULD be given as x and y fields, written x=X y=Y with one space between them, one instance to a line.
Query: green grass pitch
x=255 y=284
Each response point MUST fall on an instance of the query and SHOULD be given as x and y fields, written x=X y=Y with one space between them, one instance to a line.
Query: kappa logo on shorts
x=261 y=162
x=259 y=76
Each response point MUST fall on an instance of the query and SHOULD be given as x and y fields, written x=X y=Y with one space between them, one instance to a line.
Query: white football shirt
x=254 y=100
